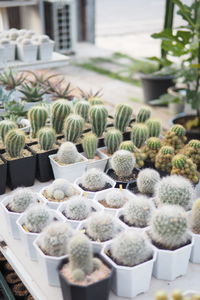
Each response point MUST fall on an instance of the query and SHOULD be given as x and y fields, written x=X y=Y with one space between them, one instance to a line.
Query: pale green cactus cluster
x=115 y=199
x=94 y=180
x=146 y=180
x=82 y=108
x=151 y=149
x=60 y=189
x=143 y=115
x=68 y=154
x=37 y=116
x=21 y=198
x=175 y=137
x=5 y=127
x=164 y=158
x=139 y=134
x=123 y=163
x=154 y=127
x=192 y=150
x=73 y=127
x=46 y=138
x=60 y=110
x=195 y=218
x=122 y=116
x=90 y=143
x=98 y=116
x=15 y=142
x=113 y=139
x=77 y=208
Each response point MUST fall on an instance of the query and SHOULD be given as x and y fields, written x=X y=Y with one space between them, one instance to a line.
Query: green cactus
x=60 y=111
x=154 y=127
x=127 y=145
x=37 y=116
x=122 y=116
x=82 y=108
x=77 y=208
x=90 y=143
x=139 y=134
x=179 y=130
x=139 y=156
x=152 y=148
x=95 y=101
x=21 y=199
x=192 y=150
x=68 y=154
x=94 y=180
x=115 y=198
x=113 y=139
x=143 y=115
x=98 y=115
x=5 y=126
x=195 y=221
x=146 y=181
x=175 y=137
x=15 y=142
x=164 y=158
x=123 y=163
x=73 y=127
x=46 y=138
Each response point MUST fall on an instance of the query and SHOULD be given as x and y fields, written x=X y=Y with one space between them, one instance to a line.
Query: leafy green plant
x=11 y=79
x=32 y=93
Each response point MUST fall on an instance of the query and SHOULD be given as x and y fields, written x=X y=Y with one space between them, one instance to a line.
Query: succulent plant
x=77 y=208
x=98 y=115
x=130 y=248
x=139 y=134
x=55 y=238
x=68 y=154
x=94 y=180
x=32 y=93
x=192 y=150
x=143 y=115
x=138 y=211
x=164 y=158
x=46 y=138
x=11 y=78
x=58 y=91
x=123 y=163
x=146 y=180
x=89 y=96
x=181 y=165
x=195 y=218
x=115 y=199
x=36 y=217
x=15 y=142
x=95 y=101
x=60 y=110
x=127 y=145
x=139 y=156
x=152 y=148
x=60 y=188
x=169 y=226
x=122 y=117
x=101 y=226
x=21 y=198
x=82 y=108
x=112 y=140
x=90 y=143
x=175 y=137
x=154 y=127
x=73 y=127
x=5 y=126
x=37 y=116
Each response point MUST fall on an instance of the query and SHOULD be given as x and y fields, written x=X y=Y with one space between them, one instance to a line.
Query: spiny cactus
x=123 y=163
x=122 y=116
x=139 y=134
x=164 y=158
x=82 y=108
x=94 y=180
x=101 y=227
x=77 y=208
x=146 y=180
x=21 y=198
x=181 y=165
x=154 y=127
x=143 y=115
x=73 y=127
x=178 y=129
x=127 y=145
x=95 y=101
x=113 y=138
x=90 y=143
x=152 y=148
x=168 y=227
x=98 y=115
x=175 y=137
x=36 y=217
x=68 y=154
x=46 y=138
x=60 y=189
x=195 y=219
x=60 y=110
x=139 y=156
x=130 y=248
x=5 y=126
x=15 y=142
x=192 y=150
x=137 y=212
x=37 y=116
x=115 y=199
x=54 y=239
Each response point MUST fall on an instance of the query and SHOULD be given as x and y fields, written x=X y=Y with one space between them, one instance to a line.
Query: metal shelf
x=18 y=3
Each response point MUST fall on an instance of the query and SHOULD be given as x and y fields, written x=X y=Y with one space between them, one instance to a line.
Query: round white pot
x=27 y=53
x=45 y=50
x=195 y=254
x=130 y=281
x=91 y=195
x=69 y=172
x=99 y=164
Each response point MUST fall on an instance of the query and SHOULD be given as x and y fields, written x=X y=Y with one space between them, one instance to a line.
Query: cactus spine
x=68 y=154
x=139 y=134
x=195 y=222
x=192 y=150
x=37 y=116
x=175 y=138
x=143 y=115
x=164 y=158
x=46 y=138
x=152 y=148
x=15 y=142
x=98 y=117
x=154 y=127
x=60 y=110
x=73 y=127
x=122 y=116
x=82 y=108
x=5 y=126
x=146 y=180
x=94 y=180
x=89 y=144
x=127 y=145
x=115 y=199
x=139 y=156
x=123 y=163
x=113 y=138
x=21 y=198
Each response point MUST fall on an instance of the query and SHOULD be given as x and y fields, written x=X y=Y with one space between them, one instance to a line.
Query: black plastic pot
x=96 y=291
x=155 y=86
x=3 y=176
x=149 y=164
x=110 y=172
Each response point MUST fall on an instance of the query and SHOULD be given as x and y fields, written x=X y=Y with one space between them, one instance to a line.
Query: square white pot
x=70 y=172
x=130 y=281
x=91 y=195
x=2 y=56
x=195 y=254
x=119 y=214
x=99 y=164
x=74 y=223
x=27 y=53
x=108 y=165
x=45 y=50
x=28 y=238
x=171 y=264
x=10 y=51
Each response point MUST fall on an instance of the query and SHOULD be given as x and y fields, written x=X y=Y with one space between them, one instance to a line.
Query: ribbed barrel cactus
x=123 y=163
x=94 y=180
x=122 y=116
x=192 y=150
x=164 y=158
x=98 y=115
x=73 y=127
x=195 y=219
x=139 y=156
x=146 y=180
x=152 y=148
x=90 y=143
x=139 y=134
x=112 y=140
x=143 y=115
x=5 y=126
x=37 y=116
x=175 y=137
x=154 y=127
x=82 y=108
x=21 y=198
x=46 y=138
x=15 y=142
x=60 y=110
x=68 y=154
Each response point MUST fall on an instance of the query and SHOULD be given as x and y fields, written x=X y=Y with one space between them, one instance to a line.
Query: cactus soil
x=122 y=180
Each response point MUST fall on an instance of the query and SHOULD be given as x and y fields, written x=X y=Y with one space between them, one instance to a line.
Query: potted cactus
x=132 y=258
x=192 y=150
x=143 y=114
x=5 y=126
x=163 y=160
x=21 y=161
x=175 y=137
x=51 y=247
x=15 y=204
x=150 y=150
x=60 y=190
x=45 y=47
x=27 y=50
x=122 y=119
x=61 y=109
x=195 y=229
x=139 y=156
x=82 y=108
x=2 y=56
x=154 y=127
x=83 y=276
x=3 y=175
x=139 y=134
x=73 y=128
x=169 y=235
x=93 y=181
x=98 y=116
x=9 y=47
x=68 y=163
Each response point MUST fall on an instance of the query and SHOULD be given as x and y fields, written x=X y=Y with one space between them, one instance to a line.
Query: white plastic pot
x=195 y=254
x=69 y=172
x=27 y=53
x=91 y=195
x=45 y=50
x=120 y=213
x=10 y=51
x=2 y=56
x=130 y=281
x=108 y=166
x=99 y=164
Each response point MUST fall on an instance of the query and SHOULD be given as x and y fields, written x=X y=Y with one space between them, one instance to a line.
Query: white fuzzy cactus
x=21 y=198
x=4 y=41
x=146 y=180
x=26 y=42
x=68 y=154
x=42 y=39
x=123 y=163
x=115 y=199
x=77 y=208
x=94 y=180
x=60 y=189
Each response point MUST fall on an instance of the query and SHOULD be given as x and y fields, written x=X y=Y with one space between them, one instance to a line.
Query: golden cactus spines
x=175 y=137
x=164 y=158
